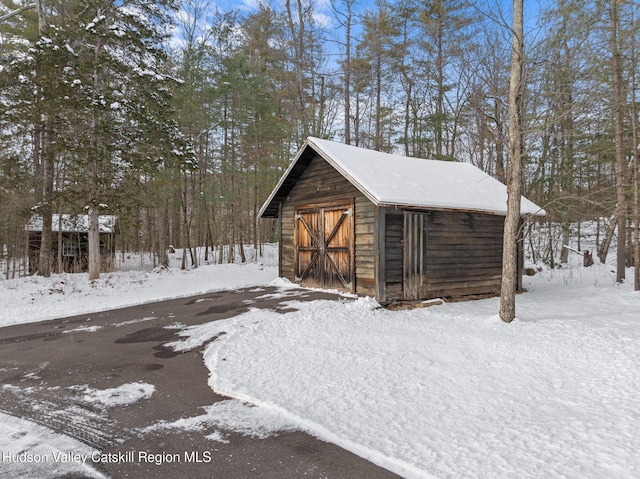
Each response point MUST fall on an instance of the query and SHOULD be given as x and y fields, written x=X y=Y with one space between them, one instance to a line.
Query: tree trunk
x=636 y=164
x=46 y=211
x=564 y=253
x=378 y=135
x=514 y=181
x=499 y=143
x=347 y=75
x=550 y=250
x=618 y=101
x=439 y=120
x=161 y=235
x=243 y=256
x=636 y=202
x=60 y=265
x=297 y=37
x=94 y=243
x=43 y=150
x=44 y=260
x=603 y=251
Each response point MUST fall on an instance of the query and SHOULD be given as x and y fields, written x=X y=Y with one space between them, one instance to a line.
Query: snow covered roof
x=390 y=180
x=72 y=223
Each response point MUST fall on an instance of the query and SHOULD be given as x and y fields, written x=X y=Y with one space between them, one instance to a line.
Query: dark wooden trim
x=280 y=243
x=427 y=209
x=352 y=255
x=380 y=273
x=348 y=201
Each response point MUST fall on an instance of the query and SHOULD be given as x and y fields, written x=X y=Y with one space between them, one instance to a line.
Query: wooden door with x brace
x=324 y=238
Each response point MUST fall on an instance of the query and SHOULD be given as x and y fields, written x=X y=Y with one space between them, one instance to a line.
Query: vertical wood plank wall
x=415 y=281
x=464 y=250
x=320 y=184
x=464 y=254
x=394 y=253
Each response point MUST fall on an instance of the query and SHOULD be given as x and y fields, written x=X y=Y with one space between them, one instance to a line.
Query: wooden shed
x=69 y=241
x=389 y=226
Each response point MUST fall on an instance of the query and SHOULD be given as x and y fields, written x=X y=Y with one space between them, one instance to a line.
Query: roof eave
x=267 y=204
x=268 y=210
x=345 y=174
x=389 y=204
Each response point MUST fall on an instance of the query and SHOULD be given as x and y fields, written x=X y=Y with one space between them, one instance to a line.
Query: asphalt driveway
x=44 y=367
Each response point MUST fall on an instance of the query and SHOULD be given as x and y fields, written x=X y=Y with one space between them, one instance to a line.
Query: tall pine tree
x=102 y=100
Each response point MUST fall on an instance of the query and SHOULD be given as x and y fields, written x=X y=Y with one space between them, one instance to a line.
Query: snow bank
x=451 y=391
x=36 y=298
x=230 y=415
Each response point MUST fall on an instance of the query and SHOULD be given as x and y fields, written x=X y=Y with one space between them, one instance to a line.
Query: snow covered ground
x=32 y=451
x=35 y=298
x=452 y=391
x=446 y=391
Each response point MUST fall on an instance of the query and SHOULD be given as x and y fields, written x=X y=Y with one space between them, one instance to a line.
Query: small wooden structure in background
x=389 y=226
x=69 y=241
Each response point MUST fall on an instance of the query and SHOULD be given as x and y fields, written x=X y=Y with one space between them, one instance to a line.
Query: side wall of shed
x=464 y=253
x=321 y=184
x=393 y=240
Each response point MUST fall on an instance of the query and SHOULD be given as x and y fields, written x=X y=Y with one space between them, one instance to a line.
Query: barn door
x=324 y=246
x=415 y=256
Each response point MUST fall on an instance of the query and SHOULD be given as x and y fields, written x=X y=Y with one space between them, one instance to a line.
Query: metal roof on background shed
x=394 y=180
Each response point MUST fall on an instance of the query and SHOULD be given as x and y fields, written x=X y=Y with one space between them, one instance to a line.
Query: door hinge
x=348 y=212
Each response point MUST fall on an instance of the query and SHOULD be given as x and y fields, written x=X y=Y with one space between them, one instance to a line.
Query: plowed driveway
x=45 y=367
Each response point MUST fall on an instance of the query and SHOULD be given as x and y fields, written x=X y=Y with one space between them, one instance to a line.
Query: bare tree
x=618 y=101
x=636 y=164
x=345 y=18
x=514 y=180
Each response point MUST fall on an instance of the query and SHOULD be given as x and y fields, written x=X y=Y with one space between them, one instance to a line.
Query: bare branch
x=9 y=15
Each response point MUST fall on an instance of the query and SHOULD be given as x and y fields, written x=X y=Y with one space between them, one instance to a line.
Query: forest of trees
x=180 y=118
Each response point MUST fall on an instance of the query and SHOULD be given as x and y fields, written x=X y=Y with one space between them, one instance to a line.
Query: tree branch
x=7 y=16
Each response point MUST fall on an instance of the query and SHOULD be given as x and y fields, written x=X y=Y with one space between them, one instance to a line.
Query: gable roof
x=72 y=223
x=395 y=180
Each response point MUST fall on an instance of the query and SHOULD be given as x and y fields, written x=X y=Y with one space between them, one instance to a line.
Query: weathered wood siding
x=393 y=254
x=464 y=254
x=415 y=282
x=365 y=258
x=325 y=247
x=321 y=184
x=463 y=250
